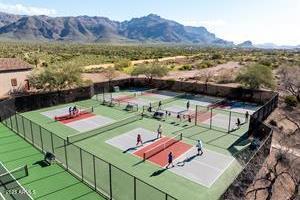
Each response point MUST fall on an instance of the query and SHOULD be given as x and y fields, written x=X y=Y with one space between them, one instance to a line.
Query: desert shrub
x=291 y=101
x=121 y=64
x=226 y=77
x=205 y=64
x=186 y=68
x=216 y=56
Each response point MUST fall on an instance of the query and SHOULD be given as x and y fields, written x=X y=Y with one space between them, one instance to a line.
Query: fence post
x=134 y=187
x=229 y=123
x=11 y=126
x=32 y=140
x=23 y=126
x=41 y=136
x=52 y=145
x=196 y=115
x=80 y=153
x=210 y=123
x=110 y=183
x=17 y=123
x=66 y=154
x=95 y=179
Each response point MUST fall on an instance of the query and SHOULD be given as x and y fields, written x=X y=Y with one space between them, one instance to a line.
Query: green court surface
x=215 y=139
x=175 y=185
x=51 y=182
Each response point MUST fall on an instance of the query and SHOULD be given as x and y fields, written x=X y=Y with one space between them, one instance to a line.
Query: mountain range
x=86 y=29
x=150 y=29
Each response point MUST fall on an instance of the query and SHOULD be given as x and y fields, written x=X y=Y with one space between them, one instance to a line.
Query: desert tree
x=110 y=73
x=56 y=78
x=150 y=71
x=291 y=79
x=255 y=76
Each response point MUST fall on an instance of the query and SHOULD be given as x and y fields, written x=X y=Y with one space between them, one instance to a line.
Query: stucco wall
x=5 y=80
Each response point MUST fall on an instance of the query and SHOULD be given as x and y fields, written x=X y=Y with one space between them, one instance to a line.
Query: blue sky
x=261 y=21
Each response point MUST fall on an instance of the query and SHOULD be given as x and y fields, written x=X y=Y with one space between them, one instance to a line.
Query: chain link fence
x=104 y=177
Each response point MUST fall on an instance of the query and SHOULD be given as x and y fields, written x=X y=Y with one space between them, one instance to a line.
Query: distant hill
x=274 y=46
x=246 y=44
x=151 y=28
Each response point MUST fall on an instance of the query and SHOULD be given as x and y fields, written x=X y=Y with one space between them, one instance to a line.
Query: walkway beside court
x=51 y=182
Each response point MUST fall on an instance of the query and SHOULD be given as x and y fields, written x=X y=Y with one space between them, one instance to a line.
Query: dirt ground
x=279 y=178
x=230 y=68
x=134 y=62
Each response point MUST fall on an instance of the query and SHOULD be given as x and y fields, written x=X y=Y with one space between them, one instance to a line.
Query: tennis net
x=8 y=181
x=147 y=92
x=74 y=114
x=125 y=105
x=81 y=136
x=160 y=147
x=169 y=100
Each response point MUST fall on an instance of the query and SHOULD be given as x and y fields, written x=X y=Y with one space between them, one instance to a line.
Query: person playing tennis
x=246 y=116
x=188 y=105
x=170 y=160
x=70 y=111
x=139 y=140
x=238 y=122
x=199 y=147
x=159 y=105
x=159 y=131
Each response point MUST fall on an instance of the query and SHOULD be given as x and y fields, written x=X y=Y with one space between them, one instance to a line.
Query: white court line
x=16 y=181
x=220 y=171
x=217 y=177
x=1 y=195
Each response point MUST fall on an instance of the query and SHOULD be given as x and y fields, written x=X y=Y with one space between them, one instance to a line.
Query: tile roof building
x=13 y=75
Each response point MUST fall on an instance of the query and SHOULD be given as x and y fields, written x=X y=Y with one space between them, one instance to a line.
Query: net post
x=229 y=123
x=144 y=156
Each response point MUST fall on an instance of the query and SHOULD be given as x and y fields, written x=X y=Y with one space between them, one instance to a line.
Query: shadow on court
x=135 y=148
x=158 y=172
x=182 y=163
x=41 y=163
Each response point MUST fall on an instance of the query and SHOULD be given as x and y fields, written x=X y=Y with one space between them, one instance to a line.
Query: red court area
x=67 y=119
x=161 y=158
x=203 y=116
x=124 y=98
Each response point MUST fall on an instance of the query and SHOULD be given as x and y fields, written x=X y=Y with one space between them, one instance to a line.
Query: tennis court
x=110 y=132
x=38 y=182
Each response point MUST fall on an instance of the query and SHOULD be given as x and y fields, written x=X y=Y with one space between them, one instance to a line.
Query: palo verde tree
x=255 y=76
x=152 y=70
x=56 y=78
